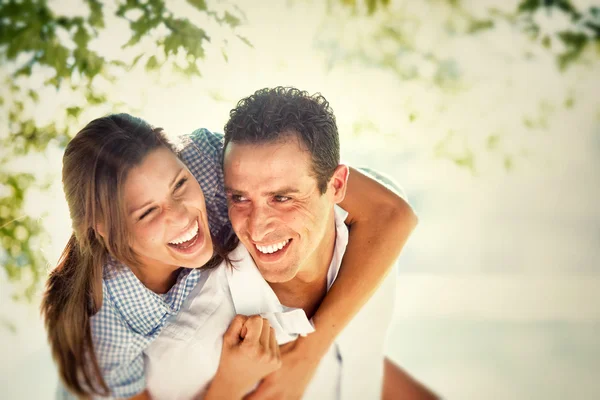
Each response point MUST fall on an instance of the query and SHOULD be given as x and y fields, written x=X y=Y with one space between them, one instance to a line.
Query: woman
x=120 y=278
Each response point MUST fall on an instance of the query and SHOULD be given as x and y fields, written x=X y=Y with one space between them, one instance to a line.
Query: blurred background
x=486 y=112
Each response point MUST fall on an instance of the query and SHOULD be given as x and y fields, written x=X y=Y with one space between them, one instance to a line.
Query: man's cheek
x=237 y=220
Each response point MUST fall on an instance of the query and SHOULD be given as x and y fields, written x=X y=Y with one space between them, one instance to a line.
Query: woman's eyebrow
x=175 y=177
x=136 y=209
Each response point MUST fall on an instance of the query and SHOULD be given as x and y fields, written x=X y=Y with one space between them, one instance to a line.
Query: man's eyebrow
x=233 y=191
x=283 y=190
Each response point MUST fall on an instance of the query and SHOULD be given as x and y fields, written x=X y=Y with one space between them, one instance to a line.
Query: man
x=283 y=181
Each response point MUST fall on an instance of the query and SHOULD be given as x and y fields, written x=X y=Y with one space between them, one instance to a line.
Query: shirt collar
x=252 y=295
x=142 y=309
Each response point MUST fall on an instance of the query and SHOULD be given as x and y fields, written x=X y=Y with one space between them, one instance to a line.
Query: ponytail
x=73 y=294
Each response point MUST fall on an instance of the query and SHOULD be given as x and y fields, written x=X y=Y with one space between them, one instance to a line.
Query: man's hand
x=290 y=381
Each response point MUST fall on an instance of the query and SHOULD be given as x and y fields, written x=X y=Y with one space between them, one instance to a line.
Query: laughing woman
x=122 y=274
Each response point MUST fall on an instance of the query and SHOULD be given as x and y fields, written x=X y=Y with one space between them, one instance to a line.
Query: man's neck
x=308 y=288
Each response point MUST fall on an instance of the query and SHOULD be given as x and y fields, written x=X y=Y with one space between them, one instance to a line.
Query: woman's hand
x=250 y=352
x=290 y=381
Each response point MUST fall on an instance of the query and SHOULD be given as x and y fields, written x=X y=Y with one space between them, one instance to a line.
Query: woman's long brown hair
x=95 y=166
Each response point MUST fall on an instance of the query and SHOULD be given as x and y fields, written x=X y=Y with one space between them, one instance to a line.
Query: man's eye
x=181 y=182
x=145 y=214
x=281 y=199
x=238 y=198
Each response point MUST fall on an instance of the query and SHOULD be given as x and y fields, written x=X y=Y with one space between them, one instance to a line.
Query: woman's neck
x=159 y=280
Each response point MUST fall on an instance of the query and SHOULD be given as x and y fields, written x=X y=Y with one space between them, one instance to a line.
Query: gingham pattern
x=203 y=155
x=131 y=315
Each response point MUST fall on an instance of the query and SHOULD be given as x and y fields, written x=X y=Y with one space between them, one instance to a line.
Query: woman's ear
x=339 y=183
x=100 y=229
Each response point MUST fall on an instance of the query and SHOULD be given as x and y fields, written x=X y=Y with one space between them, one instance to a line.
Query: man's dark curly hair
x=272 y=114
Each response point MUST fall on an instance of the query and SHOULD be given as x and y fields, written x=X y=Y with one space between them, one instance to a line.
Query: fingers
x=265 y=335
x=254 y=324
x=233 y=335
x=273 y=344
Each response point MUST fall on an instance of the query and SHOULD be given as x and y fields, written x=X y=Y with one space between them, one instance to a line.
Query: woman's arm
x=249 y=353
x=380 y=223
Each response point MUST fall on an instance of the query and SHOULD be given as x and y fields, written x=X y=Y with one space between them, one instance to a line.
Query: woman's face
x=166 y=214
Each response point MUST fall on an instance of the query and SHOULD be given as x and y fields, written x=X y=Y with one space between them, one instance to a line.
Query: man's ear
x=339 y=182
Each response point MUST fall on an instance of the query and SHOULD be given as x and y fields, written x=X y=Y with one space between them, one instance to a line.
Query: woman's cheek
x=146 y=237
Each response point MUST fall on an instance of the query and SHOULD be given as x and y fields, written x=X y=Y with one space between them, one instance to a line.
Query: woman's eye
x=281 y=199
x=145 y=214
x=181 y=182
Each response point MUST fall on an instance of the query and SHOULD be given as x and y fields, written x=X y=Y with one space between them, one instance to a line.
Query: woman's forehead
x=152 y=177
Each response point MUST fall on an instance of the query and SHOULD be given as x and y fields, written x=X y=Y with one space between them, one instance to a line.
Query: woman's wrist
x=314 y=345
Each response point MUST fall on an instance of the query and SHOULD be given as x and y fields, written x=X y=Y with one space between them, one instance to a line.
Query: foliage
x=402 y=43
x=394 y=37
x=36 y=41
x=43 y=52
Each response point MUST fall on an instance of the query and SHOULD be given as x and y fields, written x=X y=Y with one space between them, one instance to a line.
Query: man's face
x=276 y=208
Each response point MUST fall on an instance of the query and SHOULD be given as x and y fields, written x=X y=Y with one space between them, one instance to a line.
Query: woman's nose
x=178 y=214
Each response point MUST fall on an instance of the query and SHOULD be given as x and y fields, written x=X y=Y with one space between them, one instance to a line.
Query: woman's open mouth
x=188 y=241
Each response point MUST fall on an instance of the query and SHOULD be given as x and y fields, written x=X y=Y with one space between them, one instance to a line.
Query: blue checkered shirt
x=132 y=316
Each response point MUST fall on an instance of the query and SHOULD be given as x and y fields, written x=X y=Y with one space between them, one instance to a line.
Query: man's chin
x=277 y=276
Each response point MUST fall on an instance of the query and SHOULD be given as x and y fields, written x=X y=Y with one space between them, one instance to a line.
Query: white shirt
x=183 y=359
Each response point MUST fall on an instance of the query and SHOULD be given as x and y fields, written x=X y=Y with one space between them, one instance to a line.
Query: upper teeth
x=187 y=235
x=272 y=248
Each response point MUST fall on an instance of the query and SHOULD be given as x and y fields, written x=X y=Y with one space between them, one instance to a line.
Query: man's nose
x=260 y=223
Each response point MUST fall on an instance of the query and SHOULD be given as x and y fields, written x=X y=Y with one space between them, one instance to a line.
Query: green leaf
x=480 y=25
x=8 y=325
x=466 y=161
x=508 y=163
x=74 y=111
x=136 y=60
x=565 y=6
x=547 y=41
x=371 y=6
x=529 y=5
x=152 y=64
x=569 y=102
x=96 y=18
x=246 y=41
x=492 y=142
x=171 y=44
x=198 y=4
x=33 y=95
x=231 y=20
x=81 y=37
